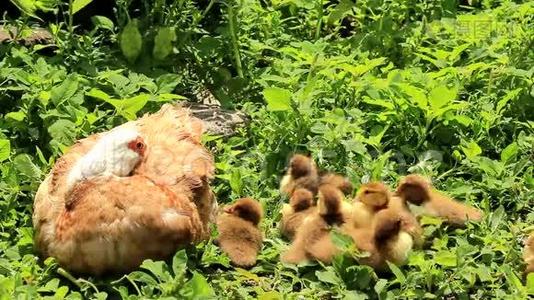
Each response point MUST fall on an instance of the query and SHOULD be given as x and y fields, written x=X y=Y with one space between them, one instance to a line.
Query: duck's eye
x=139 y=145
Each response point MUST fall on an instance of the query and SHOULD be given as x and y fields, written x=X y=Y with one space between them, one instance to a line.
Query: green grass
x=374 y=90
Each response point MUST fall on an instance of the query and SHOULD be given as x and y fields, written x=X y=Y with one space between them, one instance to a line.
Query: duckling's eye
x=367 y=192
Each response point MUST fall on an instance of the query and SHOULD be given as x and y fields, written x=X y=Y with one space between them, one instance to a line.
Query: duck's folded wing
x=176 y=158
x=116 y=223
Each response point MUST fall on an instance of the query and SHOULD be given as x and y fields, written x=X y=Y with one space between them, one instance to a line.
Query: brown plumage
x=528 y=254
x=239 y=233
x=374 y=197
x=339 y=181
x=293 y=214
x=302 y=173
x=384 y=241
x=371 y=198
x=111 y=224
x=312 y=239
x=418 y=190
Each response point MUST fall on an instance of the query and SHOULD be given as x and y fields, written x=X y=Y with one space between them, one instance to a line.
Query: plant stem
x=71 y=19
x=71 y=278
x=319 y=21
x=235 y=43
x=205 y=12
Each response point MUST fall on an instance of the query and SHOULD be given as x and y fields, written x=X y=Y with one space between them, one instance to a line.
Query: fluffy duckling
x=302 y=173
x=376 y=196
x=239 y=233
x=392 y=242
x=384 y=241
x=528 y=254
x=371 y=198
x=418 y=190
x=312 y=239
x=293 y=214
x=339 y=181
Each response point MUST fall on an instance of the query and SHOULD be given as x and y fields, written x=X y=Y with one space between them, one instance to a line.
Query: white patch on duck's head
x=122 y=139
x=120 y=149
x=116 y=153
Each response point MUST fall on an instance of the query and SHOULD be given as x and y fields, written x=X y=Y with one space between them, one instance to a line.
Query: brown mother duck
x=138 y=191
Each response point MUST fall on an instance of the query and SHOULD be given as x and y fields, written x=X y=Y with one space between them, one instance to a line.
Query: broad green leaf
x=44 y=97
x=436 y=62
x=179 y=263
x=163 y=42
x=471 y=150
x=131 y=41
x=497 y=217
x=428 y=220
x=16 y=115
x=50 y=286
x=530 y=283
x=24 y=164
x=354 y=295
x=129 y=107
x=158 y=268
x=166 y=83
x=40 y=155
x=363 y=277
x=64 y=91
x=340 y=11
x=484 y=273
x=198 y=287
x=64 y=131
x=328 y=276
x=378 y=165
x=278 y=99
x=380 y=285
x=247 y=275
x=354 y=145
x=445 y=258
x=341 y=240
x=398 y=272
x=455 y=53
x=271 y=295
x=102 y=22
x=5 y=149
x=167 y=98
x=512 y=278
x=441 y=96
x=96 y=93
x=61 y=292
x=77 y=5
x=376 y=134
x=373 y=93
x=463 y=119
x=142 y=277
x=319 y=128
x=30 y=7
x=417 y=96
x=359 y=70
x=489 y=166
x=509 y=152
x=26 y=6
x=509 y=96
x=380 y=102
